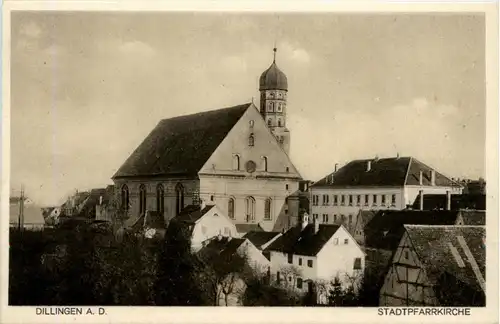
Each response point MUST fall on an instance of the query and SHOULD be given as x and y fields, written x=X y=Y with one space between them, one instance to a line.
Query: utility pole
x=21 y=210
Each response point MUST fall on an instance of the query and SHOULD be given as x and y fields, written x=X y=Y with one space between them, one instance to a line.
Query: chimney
x=305 y=220
x=397 y=155
x=368 y=166
x=448 y=200
x=421 y=194
x=316 y=225
x=336 y=167
x=331 y=178
x=100 y=200
x=421 y=177
x=203 y=204
x=433 y=177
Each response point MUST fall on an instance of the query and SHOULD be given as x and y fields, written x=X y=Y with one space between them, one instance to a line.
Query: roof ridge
x=206 y=112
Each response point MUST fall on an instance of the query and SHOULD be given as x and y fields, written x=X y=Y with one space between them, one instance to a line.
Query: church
x=236 y=158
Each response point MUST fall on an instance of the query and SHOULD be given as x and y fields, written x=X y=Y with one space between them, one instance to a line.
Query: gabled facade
x=437 y=266
x=373 y=184
x=311 y=255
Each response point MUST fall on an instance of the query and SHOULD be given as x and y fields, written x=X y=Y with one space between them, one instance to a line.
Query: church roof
x=273 y=79
x=181 y=145
x=396 y=171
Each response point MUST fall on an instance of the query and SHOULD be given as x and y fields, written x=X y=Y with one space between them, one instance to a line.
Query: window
x=269 y=122
x=358 y=200
x=335 y=218
x=250 y=208
x=383 y=200
x=286 y=186
x=251 y=123
x=160 y=198
x=264 y=163
x=226 y=231
x=335 y=200
x=278 y=277
x=279 y=124
x=300 y=261
x=142 y=199
x=299 y=283
x=315 y=200
x=315 y=216
x=236 y=162
x=287 y=169
x=310 y=263
x=342 y=219
x=393 y=200
x=336 y=241
x=125 y=201
x=342 y=201
x=326 y=200
x=350 y=200
x=251 y=140
x=267 y=209
x=357 y=264
x=280 y=107
x=230 y=208
x=270 y=107
x=350 y=220
x=366 y=200
x=346 y=241
x=179 y=200
x=211 y=198
x=374 y=200
x=406 y=255
x=290 y=258
x=325 y=218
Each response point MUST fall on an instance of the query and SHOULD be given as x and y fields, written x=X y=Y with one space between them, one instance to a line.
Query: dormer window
x=251 y=140
x=250 y=123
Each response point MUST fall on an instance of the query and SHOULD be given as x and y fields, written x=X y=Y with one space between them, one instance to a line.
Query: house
x=451 y=202
x=235 y=157
x=315 y=254
x=437 y=266
x=206 y=222
x=243 y=229
x=232 y=288
x=262 y=240
x=73 y=205
x=372 y=184
x=88 y=206
x=362 y=219
x=51 y=215
x=105 y=208
x=27 y=212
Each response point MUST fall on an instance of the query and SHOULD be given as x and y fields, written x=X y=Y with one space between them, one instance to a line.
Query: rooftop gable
x=181 y=145
x=260 y=238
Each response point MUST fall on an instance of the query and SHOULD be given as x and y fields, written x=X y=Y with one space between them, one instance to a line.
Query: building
x=437 y=266
x=73 y=205
x=233 y=286
x=151 y=225
x=105 y=210
x=26 y=212
x=452 y=202
x=88 y=206
x=236 y=158
x=205 y=223
x=309 y=255
x=51 y=215
x=371 y=184
x=262 y=240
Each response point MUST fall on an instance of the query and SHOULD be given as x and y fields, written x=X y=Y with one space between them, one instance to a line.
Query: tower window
x=264 y=163
x=230 y=208
x=125 y=200
x=251 y=140
x=269 y=122
x=142 y=199
x=279 y=107
x=267 y=209
x=236 y=162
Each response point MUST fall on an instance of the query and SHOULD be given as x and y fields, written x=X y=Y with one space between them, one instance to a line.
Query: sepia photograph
x=290 y=159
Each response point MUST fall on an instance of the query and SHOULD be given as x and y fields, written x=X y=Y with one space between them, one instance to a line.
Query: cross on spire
x=274 y=54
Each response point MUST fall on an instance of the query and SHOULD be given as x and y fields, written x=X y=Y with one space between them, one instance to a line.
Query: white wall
x=255 y=257
x=213 y=223
x=411 y=192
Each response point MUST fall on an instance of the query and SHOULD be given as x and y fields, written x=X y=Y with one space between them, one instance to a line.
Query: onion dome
x=273 y=78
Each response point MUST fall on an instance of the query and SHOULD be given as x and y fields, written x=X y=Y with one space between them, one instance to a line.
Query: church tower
x=273 y=87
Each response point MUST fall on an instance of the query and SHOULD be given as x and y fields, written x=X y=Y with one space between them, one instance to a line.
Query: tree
x=291 y=273
x=260 y=293
x=340 y=296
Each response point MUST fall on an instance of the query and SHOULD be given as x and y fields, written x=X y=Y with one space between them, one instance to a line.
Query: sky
x=86 y=88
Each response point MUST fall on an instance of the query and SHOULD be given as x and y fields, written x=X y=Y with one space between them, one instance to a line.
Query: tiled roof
x=245 y=228
x=192 y=213
x=259 y=238
x=431 y=243
x=398 y=171
x=386 y=228
x=304 y=241
x=461 y=201
x=181 y=145
x=225 y=246
x=473 y=217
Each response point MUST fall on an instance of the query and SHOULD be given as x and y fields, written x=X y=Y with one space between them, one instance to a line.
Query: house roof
x=92 y=199
x=246 y=228
x=396 y=171
x=181 y=145
x=461 y=201
x=473 y=217
x=304 y=241
x=431 y=244
x=225 y=246
x=153 y=219
x=259 y=238
x=192 y=213
x=386 y=228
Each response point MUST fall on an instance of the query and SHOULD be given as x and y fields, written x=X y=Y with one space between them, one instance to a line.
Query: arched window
x=125 y=201
x=230 y=208
x=251 y=140
x=269 y=122
x=160 y=199
x=279 y=122
x=236 y=162
x=179 y=198
x=264 y=163
x=267 y=209
x=142 y=199
x=250 y=208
